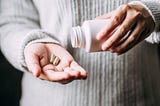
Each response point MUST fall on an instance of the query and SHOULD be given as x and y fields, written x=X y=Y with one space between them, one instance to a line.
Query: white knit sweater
x=131 y=79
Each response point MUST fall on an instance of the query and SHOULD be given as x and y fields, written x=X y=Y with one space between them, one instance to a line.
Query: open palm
x=37 y=59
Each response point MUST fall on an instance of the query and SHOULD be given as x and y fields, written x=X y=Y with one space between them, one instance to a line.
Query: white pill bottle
x=85 y=36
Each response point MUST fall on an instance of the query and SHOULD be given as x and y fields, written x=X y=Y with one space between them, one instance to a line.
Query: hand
x=129 y=24
x=37 y=59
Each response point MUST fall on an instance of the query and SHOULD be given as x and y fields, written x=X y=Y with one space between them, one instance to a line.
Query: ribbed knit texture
x=154 y=8
x=131 y=79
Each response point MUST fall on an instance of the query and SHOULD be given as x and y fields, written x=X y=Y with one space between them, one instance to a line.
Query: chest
x=58 y=11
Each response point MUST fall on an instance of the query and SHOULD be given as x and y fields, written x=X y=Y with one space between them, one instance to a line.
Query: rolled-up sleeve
x=153 y=6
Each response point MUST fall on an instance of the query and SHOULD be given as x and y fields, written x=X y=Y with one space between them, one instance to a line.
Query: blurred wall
x=10 y=84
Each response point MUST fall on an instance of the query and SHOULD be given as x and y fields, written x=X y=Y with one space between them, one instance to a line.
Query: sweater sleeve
x=153 y=6
x=19 y=25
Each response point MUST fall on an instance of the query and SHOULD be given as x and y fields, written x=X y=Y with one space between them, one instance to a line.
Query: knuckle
x=115 y=19
x=123 y=29
x=138 y=15
x=125 y=7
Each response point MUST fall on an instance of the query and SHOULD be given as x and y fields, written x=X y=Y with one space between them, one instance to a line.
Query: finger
x=65 y=62
x=33 y=64
x=118 y=17
x=77 y=67
x=44 y=60
x=75 y=74
x=49 y=67
x=132 y=39
x=57 y=76
x=62 y=65
x=43 y=77
x=45 y=68
x=127 y=24
x=119 y=43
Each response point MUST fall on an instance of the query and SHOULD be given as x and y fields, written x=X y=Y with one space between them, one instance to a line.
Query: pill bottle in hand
x=85 y=36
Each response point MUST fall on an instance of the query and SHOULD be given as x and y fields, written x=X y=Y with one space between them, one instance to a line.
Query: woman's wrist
x=137 y=5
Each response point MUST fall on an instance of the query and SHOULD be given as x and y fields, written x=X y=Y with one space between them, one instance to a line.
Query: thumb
x=33 y=64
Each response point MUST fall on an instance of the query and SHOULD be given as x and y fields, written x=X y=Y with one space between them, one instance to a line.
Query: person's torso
x=130 y=79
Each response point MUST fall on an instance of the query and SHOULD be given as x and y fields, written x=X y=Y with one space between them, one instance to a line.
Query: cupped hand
x=129 y=24
x=37 y=58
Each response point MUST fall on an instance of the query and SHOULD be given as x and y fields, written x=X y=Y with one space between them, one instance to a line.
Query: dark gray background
x=10 y=84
